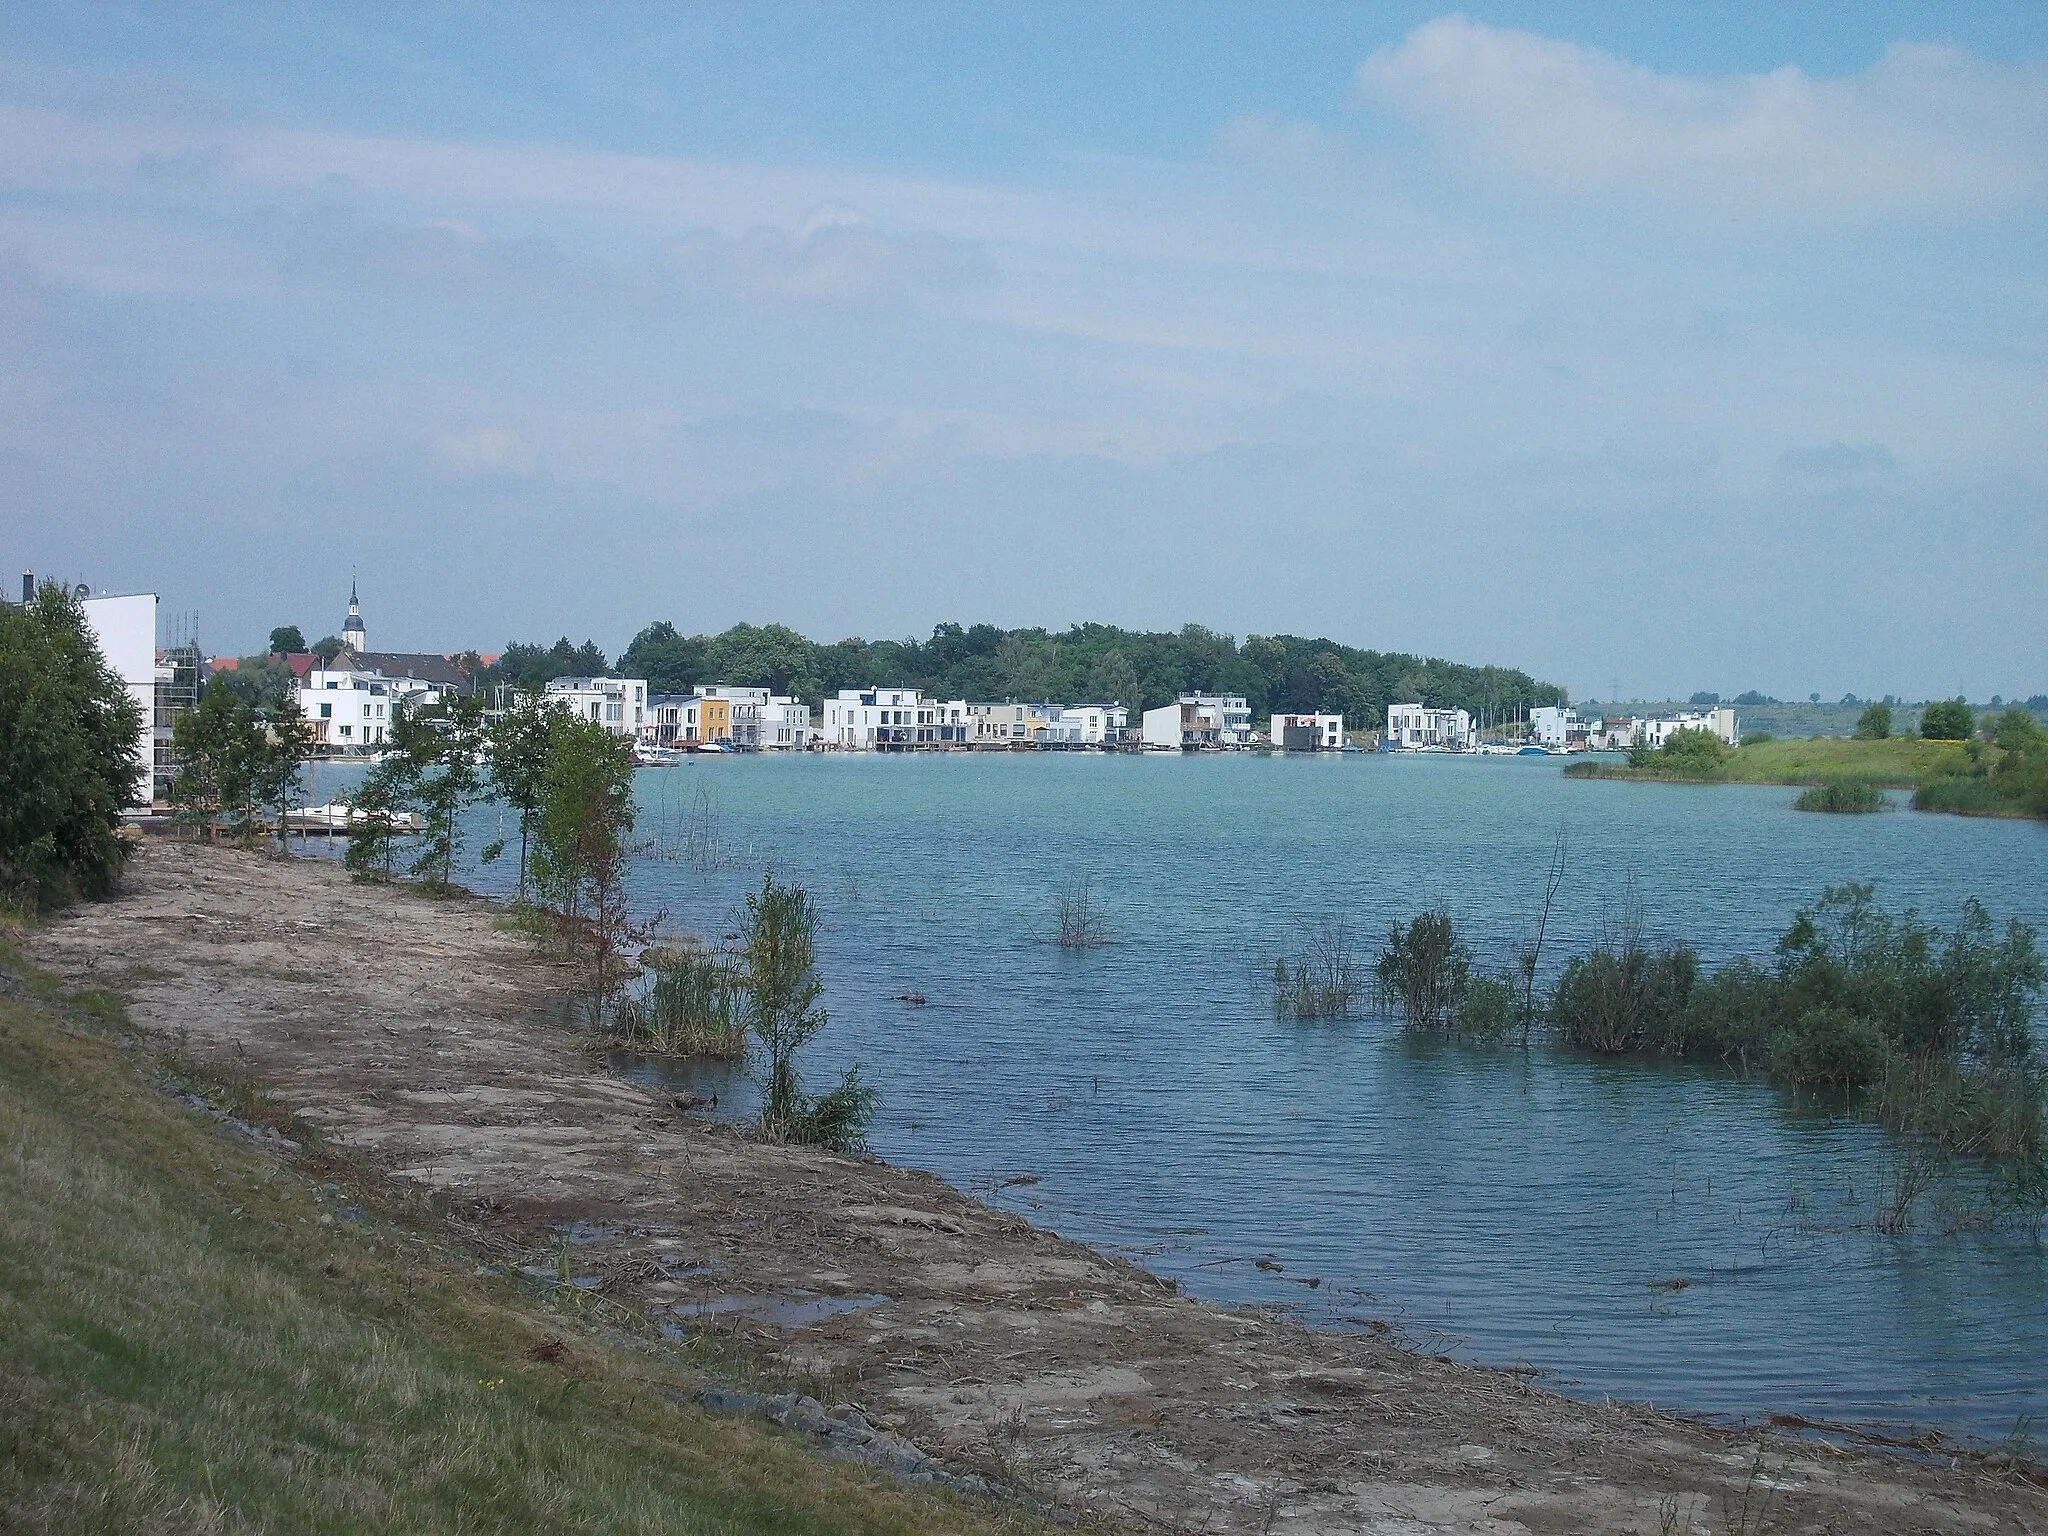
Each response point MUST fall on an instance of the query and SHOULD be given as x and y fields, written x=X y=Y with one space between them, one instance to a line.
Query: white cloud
x=488 y=451
x=1925 y=129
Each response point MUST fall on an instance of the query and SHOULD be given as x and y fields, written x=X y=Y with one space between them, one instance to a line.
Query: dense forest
x=1090 y=663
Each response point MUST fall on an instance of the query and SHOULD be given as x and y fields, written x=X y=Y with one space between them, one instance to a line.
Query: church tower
x=353 y=634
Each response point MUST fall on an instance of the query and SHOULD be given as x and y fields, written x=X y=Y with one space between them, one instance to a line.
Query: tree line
x=1092 y=663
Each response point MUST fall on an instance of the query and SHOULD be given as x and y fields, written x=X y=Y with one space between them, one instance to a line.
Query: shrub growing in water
x=1626 y=998
x=1852 y=797
x=1424 y=972
x=779 y=940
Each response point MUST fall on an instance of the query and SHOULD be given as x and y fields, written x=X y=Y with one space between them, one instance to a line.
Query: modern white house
x=882 y=720
x=1417 y=728
x=1182 y=726
x=619 y=704
x=351 y=710
x=1551 y=725
x=1198 y=720
x=1719 y=722
x=124 y=629
x=1308 y=733
x=1084 y=725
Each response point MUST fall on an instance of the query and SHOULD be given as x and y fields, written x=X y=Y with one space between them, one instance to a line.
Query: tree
x=69 y=755
x=779 y=938
x=219 y=749
x=1113 y=680
x=286 y=640
x=516 y=758
x=443 y=741
x=287 y=744
x=586 y=811
x=2018 y=731
x=327 y=648
x=1946 y=720
x=1875 y=723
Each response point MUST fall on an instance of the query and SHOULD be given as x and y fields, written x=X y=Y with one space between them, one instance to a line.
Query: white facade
x=762 y=720
x=1308 y=733
x=1718 y=722
x=124 y=629
x=1417 y=728
x=1185 y=725
x=1085 y=725
x=351 y=711
x=619 y=704
x=882 y=719
x=1552 y=726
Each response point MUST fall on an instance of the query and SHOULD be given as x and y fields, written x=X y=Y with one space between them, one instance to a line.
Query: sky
x=1648 y=348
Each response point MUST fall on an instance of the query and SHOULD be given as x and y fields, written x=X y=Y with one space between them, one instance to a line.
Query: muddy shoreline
x=413 y=1032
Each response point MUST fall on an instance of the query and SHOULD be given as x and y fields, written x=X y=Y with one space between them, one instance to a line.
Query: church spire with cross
x=353 y=633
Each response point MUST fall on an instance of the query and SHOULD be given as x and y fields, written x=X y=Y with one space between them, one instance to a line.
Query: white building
x=124 y=629
x=1308 y=733
x=761 y=719
x=1552 y=726
x=619 y=704
x=1197 y=720
x=1084 y=725
x=1718 y=722
x=882 y=720
x=1182 y=726
x=351 y=710
x=1416 y=728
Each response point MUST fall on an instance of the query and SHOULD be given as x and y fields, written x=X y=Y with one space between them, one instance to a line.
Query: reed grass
x=691 y=1006
x=1849 y=797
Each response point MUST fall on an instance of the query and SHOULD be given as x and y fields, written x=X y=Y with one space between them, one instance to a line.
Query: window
x=326 y=711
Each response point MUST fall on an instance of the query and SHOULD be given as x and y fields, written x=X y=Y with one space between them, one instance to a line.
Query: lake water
x=1507 y=1208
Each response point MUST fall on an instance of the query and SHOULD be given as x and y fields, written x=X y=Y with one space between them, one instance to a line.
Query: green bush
x=1614 y=1001
x=1845 y=797
x=1830 y=1045
x=1946 y=720
x=1730 y=1015
x=1685 y=754
x=1490 y=1010
x=1423 y=972
x=1875 y=723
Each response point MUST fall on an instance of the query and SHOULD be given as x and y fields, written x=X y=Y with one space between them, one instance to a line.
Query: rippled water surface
x=1508 y=1208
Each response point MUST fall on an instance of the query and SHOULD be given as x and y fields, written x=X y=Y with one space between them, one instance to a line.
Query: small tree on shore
x=783 y=987
x=1875 y=723
x=516 y=757
x=287 y=745
x=220 y=751
x=445 y=744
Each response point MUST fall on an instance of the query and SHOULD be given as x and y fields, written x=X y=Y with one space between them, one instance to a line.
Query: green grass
x=185 y=1345
x=1901 y=762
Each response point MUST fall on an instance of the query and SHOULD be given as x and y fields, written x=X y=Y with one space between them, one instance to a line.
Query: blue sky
x=1673 y=347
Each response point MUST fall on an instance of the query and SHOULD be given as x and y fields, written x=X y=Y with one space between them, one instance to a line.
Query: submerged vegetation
x=1929 y=1032
x=1321 y=980
x=1081 y=924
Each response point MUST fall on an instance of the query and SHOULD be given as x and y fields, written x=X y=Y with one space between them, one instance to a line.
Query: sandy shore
x=418 y=1033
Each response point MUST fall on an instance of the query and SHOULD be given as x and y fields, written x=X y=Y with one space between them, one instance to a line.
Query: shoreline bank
x=410 y=1030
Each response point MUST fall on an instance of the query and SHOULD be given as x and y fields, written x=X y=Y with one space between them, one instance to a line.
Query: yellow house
x=714 y=720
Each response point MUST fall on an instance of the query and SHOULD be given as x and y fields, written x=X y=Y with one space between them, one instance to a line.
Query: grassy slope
x=186 y=1345
x=1902 y=762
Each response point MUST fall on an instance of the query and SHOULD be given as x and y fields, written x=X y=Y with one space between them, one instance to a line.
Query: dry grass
x=190 y=1341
